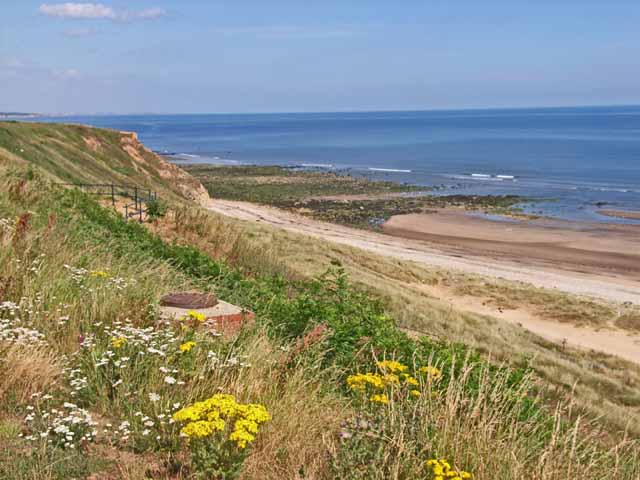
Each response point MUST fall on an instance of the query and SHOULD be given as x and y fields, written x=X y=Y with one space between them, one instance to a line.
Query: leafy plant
x=156 y=209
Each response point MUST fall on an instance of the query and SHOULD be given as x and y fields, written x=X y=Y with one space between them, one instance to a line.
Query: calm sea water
x=576 y=156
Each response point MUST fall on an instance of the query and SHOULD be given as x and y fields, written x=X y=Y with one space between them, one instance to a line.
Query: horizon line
x=293 y=112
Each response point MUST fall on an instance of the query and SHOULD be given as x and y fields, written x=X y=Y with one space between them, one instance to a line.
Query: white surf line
x=405 y=249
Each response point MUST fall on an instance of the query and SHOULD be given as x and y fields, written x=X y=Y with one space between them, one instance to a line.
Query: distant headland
x=19 y=115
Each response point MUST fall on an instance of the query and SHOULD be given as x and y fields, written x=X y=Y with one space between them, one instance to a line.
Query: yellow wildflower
x=193 y=315
x=391 y=379
x=415 y=393
x=211 y=415
x=441 y=470
x=432 y=372
x=391 y=366
x=241 y=437
x=118 y=342
x=411 y=381
x=196 y=411
x=379 y=398
x=360 y=381
x=98 y=274
x=201 y=428
x=187 y=346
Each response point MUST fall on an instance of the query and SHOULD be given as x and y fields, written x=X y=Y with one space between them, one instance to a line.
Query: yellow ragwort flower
x=432 y=372
x=359 y=382
x=202 y=428
x=409 y=380
x=187 y=346
x=379 y=398
x=98 y=274
x=212 y=415
x=441 y=470
x=391 y=379
x=193 y=315
x=118 y=342
x=391 y=366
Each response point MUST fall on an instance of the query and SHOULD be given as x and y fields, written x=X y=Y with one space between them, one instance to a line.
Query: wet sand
x=610 y=250
x=629 y=215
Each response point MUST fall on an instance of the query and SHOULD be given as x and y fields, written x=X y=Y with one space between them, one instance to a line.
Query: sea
x=569 y=162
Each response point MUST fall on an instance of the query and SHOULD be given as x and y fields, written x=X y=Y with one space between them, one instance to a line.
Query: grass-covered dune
x=96 y=384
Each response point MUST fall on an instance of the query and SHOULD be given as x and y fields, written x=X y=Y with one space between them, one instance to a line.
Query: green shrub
x=156 y=209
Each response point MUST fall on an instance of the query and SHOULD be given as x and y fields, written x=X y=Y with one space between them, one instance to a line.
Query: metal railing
x=141 y=196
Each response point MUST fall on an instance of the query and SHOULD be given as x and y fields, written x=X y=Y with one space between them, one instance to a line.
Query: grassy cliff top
x=77 y=153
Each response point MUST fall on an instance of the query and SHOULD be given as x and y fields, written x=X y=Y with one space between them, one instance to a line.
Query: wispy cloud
x=77 y=10
x=87 y=11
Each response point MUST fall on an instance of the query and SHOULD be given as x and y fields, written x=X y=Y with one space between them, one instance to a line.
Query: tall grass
x=483 y=433
x=485 y=418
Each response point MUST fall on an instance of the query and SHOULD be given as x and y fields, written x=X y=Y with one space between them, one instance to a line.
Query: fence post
x=113 y=195
x=135 y=192
x=126 y=212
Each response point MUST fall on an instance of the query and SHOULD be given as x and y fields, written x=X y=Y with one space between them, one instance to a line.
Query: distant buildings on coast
x=18 y=115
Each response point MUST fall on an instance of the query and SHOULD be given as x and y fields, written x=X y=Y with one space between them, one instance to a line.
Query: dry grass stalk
x=26 y=370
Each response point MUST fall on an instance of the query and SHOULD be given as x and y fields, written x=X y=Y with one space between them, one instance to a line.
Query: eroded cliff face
x=149 y=162
x=83 y=154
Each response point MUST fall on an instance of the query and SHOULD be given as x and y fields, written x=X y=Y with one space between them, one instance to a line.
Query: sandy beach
x=582 y=261
x=599 y=261
x=605 y=250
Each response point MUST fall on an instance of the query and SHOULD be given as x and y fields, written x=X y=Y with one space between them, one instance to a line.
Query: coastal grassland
x=544 y=303
x=332 y=197
x=629 y=319
x=81 y=285
x=81 y=154
x=603 y=386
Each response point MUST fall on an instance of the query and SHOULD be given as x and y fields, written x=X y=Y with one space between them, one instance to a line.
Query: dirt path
x=611 y=341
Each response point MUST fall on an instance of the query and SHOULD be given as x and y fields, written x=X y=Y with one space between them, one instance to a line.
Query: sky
x=210 y=56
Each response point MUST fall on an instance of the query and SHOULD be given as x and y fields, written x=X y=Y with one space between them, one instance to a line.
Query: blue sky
x=173 y=56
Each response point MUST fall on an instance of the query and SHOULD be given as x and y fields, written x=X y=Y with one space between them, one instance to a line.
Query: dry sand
x=600 y=261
